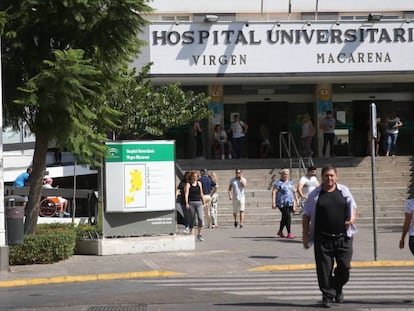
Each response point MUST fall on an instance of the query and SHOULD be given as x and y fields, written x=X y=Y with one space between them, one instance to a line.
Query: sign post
x=139 y=188
x=373 y=127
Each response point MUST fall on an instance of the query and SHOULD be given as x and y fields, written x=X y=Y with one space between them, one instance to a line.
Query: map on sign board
x=135 y=185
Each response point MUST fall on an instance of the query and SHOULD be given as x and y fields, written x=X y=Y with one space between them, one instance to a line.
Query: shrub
x=50 y=243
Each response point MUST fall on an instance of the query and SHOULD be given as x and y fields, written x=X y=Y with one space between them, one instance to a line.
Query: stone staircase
x=393 y=184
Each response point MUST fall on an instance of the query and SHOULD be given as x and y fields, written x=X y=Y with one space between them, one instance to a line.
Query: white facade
x=261 y=52
x=278 y=6
x=265 y=38
x=270 y=49
x=273 y=61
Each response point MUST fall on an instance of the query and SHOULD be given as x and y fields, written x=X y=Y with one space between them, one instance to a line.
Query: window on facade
x=321 y=16
x=390 y=17
x=364 y=17
x=173 y=18
x=167 y=18
x=409 y=15
x=348 y=18
x=12 y=136
x=182 y=18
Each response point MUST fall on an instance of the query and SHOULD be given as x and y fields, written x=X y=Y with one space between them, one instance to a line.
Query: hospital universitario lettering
x=283 y=37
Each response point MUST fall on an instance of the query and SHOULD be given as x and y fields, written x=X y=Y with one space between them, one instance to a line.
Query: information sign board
x=140 y=176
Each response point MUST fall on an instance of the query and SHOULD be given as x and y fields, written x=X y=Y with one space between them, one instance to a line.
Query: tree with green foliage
x=151 y=110
x=60 y=60
x=65 y=76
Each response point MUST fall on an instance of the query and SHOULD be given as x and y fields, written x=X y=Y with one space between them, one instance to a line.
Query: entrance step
x=393 y=185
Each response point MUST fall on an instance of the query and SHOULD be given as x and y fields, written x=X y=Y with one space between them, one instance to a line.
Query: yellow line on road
x=284 y=267
x=87 y=278
x=383 y=263
x=355 y=264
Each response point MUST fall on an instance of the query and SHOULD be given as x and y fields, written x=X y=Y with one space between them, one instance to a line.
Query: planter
x=134 y=245
x=87 y=246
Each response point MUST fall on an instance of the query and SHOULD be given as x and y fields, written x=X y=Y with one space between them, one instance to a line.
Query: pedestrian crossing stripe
x=354 y=264
x=378 y=284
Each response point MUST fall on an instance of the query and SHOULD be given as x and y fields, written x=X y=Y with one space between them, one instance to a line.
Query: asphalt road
x=224 y=292
x=233 y=269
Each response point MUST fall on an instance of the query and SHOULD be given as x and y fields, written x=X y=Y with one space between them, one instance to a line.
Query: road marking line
x=87 y=278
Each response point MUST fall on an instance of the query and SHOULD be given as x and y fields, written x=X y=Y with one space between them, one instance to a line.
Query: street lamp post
x=4 y=249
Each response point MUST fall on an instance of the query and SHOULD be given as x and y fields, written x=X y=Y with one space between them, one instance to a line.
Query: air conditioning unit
x=211 y=18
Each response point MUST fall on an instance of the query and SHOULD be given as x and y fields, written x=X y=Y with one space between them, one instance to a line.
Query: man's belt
x=332 y=235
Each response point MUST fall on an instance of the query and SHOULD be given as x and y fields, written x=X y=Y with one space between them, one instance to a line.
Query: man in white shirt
x=328 y=126
x=236 y=193
x=238 y=131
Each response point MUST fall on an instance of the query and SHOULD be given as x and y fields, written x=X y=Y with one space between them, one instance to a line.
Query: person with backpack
x=209 y=188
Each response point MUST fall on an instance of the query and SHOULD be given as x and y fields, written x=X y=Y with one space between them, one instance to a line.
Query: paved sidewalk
x=225 y=250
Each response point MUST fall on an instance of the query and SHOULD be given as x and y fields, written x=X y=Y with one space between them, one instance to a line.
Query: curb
x=87 y=278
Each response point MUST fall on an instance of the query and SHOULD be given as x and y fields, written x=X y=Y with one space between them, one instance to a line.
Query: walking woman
x=194 y=202
x=284 y=198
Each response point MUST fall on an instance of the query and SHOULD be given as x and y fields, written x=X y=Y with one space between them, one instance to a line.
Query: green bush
x=50 y=243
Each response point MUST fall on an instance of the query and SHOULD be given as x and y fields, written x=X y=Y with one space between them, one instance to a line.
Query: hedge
x=50 y=243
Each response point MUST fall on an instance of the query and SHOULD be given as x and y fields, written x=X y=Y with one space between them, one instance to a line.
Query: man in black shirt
x=328 y=221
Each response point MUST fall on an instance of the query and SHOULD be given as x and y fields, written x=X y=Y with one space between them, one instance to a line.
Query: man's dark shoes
x=326 y=302
x=235 y=224
x=339 y=297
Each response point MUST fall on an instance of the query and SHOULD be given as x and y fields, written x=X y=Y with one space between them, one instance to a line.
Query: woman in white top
x=306 y=185
x=220 y=141
x=307 y=133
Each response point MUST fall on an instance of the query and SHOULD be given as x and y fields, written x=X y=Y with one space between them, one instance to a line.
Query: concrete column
x=323 y=104
x=4 y=258
x=215 y=92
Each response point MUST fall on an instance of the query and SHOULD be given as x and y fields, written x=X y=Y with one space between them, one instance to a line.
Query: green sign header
x=133 y=152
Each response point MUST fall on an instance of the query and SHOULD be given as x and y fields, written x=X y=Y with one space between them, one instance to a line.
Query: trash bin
x=14 y=207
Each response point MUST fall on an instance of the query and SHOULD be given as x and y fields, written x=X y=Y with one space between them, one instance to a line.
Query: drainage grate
x=140 y=307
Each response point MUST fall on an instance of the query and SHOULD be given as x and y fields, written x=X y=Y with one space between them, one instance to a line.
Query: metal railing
x=288 y=147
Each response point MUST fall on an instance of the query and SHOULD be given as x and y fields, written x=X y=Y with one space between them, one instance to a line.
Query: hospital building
x=273 y=61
